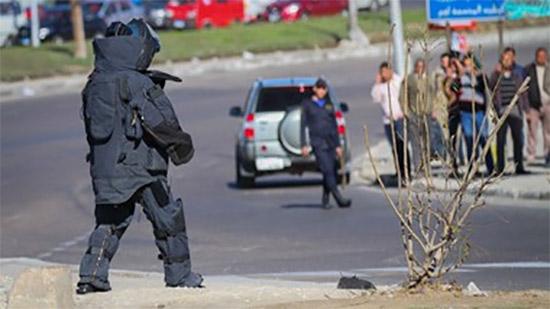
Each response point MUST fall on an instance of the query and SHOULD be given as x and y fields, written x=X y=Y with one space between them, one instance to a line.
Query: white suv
x=268 y=140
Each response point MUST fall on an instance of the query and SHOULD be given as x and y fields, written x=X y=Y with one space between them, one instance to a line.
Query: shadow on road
x=280 y=184
x=304 y=206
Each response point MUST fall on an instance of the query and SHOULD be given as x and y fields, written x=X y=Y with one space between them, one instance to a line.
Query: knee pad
x=170 y=234
x=169 y=220
x=103 y=242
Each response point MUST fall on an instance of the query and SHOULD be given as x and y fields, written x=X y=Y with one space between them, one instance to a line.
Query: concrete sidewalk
x=133 y=289
x=533 y=186
x=249 y=61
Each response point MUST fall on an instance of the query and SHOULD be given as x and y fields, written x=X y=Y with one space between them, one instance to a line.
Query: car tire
x=304 y=16
x=242 y=181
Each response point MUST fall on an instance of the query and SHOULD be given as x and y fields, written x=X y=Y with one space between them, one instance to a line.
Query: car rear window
x=275 y=99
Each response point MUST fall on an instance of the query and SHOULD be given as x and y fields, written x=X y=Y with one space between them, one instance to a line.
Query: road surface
x=278 y=227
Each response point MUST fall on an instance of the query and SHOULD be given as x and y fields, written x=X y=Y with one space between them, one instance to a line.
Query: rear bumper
x=292 y=164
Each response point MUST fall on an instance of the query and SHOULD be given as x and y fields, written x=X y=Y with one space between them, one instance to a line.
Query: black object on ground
x=354 y=283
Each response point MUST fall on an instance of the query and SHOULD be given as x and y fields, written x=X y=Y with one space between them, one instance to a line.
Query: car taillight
x=340 y=122
x=249 y=127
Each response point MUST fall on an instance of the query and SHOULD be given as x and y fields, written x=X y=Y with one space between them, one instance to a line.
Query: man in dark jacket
x=506 y=82
x=318 y=116
x=132 y=130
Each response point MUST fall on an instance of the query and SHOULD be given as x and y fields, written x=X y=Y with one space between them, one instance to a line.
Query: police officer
x=318 y=116
x=132 y=130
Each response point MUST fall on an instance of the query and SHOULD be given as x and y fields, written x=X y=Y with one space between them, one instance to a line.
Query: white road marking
x=63 y=246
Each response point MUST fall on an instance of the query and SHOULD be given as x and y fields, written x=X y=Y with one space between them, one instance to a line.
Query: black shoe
x=326 y=199
x=194 y=280
x=342 y=202
x=86 y=288
x=547 y=161
x=522 y=171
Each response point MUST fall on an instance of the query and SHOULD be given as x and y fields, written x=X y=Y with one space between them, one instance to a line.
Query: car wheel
x=344 y=13
x=243 y=181
x=304 y=16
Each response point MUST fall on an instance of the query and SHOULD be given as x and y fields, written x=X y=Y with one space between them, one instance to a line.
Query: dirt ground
x=520 y=299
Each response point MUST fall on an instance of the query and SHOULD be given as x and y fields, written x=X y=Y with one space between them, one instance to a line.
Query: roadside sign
x=518 y=9
x=452 y=11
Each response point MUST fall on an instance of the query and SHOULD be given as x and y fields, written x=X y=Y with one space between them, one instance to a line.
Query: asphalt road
x=47 y=203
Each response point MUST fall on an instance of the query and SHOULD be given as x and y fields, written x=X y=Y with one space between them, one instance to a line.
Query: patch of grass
x=17 y=63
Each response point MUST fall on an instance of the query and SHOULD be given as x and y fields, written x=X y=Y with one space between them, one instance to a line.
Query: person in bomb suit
x=132 y=132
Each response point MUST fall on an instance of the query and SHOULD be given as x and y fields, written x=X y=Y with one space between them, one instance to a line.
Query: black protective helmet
x=141 y=30
x=150 y=40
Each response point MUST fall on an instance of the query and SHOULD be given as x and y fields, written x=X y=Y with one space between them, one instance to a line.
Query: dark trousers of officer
x=515 y=122
x=326 y=162
x=167 y=218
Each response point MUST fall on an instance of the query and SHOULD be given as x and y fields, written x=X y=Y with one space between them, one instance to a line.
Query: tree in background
x=80 y=51
x=355 y=34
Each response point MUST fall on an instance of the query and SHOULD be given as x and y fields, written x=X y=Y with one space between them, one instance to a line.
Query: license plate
x=179 y=24
x=269 y=164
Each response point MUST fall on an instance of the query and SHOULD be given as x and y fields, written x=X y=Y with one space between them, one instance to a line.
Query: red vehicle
x=290 y=10
x=204 y=13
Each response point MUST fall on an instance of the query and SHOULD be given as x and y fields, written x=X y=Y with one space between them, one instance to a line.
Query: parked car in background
x=290 y=10
x=56 y=24
x=12 y=18
x=371 y=5
x=198 y=14
x=253 y=9
x=268 y=140
x=155 y=13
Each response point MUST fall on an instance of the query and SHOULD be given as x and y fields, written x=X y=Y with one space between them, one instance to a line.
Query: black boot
x=194 y=280
x=326 y=198
x=342 y=201
x=85 y=288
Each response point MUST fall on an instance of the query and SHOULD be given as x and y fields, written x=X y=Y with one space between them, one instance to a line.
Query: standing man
x=318 y=116
x=505 y=90
x=424 y=130
x=472 y=105
x=539 y=105
x=386 y=92
x=132 y=130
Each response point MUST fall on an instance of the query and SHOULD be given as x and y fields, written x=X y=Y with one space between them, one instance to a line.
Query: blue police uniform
x=319 y=117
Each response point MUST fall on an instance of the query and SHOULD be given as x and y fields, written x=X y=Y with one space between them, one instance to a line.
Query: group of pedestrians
x=457 y=102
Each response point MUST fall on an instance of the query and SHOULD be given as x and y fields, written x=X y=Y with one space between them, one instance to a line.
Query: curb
x=250 y=61
x=364 y=175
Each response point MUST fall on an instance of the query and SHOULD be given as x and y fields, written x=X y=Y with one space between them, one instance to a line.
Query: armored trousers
x=168 y=220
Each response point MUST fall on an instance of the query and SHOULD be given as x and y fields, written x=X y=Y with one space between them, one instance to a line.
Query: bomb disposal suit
x=132 y=130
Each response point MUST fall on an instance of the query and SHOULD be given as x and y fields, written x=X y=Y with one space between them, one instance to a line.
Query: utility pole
x=35 y=26
x=398 y=40
x=355 y=33
x=78 y=30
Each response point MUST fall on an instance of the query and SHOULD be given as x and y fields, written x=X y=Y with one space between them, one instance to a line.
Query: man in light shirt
x=539 y=105
x=386 y=93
